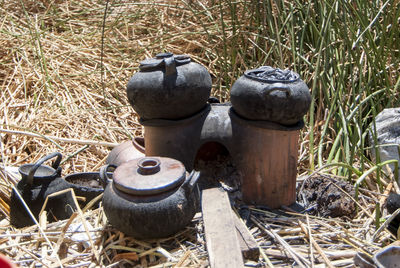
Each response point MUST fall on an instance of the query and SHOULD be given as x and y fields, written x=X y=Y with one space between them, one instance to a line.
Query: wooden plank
x=248 y=245
x=220 y=231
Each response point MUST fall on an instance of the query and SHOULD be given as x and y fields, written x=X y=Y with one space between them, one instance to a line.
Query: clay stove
x=261 y=139
x=264 y=153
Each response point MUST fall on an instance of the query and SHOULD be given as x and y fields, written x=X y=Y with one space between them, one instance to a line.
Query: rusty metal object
x=156 y=196
x=126 y=151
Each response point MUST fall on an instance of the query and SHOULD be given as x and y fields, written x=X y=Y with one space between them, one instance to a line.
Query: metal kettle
x=155 y=194
x=169 y=87
x=39 y=181
x=271 y=94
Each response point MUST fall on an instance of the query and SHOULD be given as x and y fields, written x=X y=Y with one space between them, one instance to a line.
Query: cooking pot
x=126 y=151
x=38 y=181
x=85 y=184
x=271 y=94
x=169 y=87
x=155 y=195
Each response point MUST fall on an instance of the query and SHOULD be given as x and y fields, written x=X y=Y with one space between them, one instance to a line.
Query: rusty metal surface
x=149 y=175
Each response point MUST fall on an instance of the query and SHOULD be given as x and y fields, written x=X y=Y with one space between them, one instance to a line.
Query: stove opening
x=217 y=169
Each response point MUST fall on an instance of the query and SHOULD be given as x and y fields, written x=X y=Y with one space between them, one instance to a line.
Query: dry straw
x=51 y=99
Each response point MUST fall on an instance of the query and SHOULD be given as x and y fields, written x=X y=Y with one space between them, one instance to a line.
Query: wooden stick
x=315 y=244
x=311 y=245
x=248 y=245
x=66 y=140
x=295 y=256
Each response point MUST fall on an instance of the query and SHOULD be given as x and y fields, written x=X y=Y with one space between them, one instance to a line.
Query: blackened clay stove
x=169 y=86
x=260 y=129
x=265 y=153
x=271 y=94
x=155 y=195
x=39 y=181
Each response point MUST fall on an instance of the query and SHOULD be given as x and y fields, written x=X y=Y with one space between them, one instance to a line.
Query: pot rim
x=268 y=69
x=87 y=176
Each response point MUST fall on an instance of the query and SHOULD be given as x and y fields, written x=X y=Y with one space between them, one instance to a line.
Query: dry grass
x=50 y=79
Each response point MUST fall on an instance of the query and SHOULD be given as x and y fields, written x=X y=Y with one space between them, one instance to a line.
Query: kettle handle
x=192 y=180
x=170 y=66
x=105 y=179
x=56 y=166
x=364 y=261
x=279 y=87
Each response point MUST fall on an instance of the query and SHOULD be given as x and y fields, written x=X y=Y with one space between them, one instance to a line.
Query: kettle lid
x=149 y=175
x=158 y=62
x=269 y=74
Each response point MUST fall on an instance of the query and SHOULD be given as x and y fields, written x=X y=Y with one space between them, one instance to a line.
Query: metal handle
x=105 y=179
x=279 y=87
x=55 y=165
x=364 y=261
x=170 y=66
x=192 y=180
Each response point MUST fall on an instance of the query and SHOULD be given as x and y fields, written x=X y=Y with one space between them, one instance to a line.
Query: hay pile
x=53 y=98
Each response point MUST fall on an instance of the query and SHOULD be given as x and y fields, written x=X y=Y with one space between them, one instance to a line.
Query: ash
x=274 y=74
x=220 y=172
x=86 y=183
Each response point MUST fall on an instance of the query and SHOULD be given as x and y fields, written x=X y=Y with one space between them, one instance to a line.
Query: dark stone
x=392 y=204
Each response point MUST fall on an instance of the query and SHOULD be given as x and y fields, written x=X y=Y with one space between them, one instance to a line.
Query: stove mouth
x=217 y=169
x=210 y=151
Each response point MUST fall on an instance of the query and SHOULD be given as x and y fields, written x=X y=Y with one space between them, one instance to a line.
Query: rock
x=387 y=131
x=392 y=204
